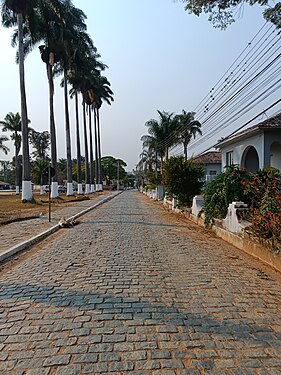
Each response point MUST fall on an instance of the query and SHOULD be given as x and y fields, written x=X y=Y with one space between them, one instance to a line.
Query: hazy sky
x=159 y=57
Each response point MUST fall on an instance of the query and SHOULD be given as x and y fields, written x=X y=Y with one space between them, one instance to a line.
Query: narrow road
x=134 y=289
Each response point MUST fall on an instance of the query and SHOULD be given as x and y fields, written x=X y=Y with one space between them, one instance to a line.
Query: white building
x=211 y=162
x=254 y=148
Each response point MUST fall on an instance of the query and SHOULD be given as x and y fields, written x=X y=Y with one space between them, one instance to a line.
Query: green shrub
x=225 y=188
x=182 y=179
x=264 y=196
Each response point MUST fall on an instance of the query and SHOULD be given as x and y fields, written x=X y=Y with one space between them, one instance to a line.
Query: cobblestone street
x=134 y=289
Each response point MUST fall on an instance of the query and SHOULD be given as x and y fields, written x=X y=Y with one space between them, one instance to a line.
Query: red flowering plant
x=264 y=199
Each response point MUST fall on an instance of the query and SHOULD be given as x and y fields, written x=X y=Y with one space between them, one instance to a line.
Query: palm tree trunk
x=96 y=152
x=87 y=184
x=185 y=150
x=92 y=182
x=68 y=141
x=161 y=164
x=166 y=153
x=26 y=182
x=54 y=190
x=99 y=152
x=17 y=182
x=78 y=147
x=156 y=168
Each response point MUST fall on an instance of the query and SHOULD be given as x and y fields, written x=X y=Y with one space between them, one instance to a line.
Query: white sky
x=159 y=57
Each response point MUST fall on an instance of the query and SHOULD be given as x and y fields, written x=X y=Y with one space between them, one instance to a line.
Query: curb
x=39 y=237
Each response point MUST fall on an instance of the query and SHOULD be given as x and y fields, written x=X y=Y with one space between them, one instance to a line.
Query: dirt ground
x=12 y=209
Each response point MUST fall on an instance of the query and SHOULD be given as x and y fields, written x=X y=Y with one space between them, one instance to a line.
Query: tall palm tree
x=81 y=76
x=103 y=93
x=21 y=8
x=75 y=39
x=161 y=134
x=50 y=23
x=3 y=147
x=12 y=123
x=188 y=127
x=44 y=23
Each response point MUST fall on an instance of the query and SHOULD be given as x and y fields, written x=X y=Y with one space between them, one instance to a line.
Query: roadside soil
x=12 y=209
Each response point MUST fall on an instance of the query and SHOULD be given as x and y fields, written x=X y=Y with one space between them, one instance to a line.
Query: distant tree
x=38 y=168
x=113 y=168
x=12 y=123
x=222 y=13
x=160 y=135
x=187 y=127
x=6 y=171
x=62 y=170
x=40 y=142
x=182 y=179
x=4 y=148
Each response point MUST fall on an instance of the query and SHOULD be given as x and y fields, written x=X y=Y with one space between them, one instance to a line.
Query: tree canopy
x=222 y=12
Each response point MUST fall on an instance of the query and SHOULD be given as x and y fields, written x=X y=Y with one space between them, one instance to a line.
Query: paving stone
x=39 y=371
x=96 y=368
x=85 y=358
x=136 y=290
x=120 y=366
x=57 y=360
x=69 y=370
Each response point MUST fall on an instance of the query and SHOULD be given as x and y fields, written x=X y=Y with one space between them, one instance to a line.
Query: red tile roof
x=211 y=157
x=272 y=122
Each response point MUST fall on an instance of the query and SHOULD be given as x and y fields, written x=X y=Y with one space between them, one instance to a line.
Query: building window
x=229 y=158
x=213 y=173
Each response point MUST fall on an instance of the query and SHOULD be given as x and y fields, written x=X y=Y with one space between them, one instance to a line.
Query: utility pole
x=117 y=174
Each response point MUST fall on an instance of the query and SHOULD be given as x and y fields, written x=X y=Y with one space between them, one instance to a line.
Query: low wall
x=231 y=230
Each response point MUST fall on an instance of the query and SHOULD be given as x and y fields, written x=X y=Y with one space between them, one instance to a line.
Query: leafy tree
x=187 y=128
x=40 y=142
x=113 y=168
x=182 y=179
x=38 y=168
x=12 y=123
x=6 y=171
x=263 y=193
x=62 y=170
x=4 y=148
x=222 y=13
x=225 y=188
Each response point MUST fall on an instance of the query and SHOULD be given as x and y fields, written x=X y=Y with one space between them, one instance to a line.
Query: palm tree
x=9 y=9
x=75 y=39
x=148 y=160
x=161 y=135
x=187 y=128
x=38 y=170
x=12 y=123
x=50 y=23
x=81 y=76
x=103 y=92
x=4 y=148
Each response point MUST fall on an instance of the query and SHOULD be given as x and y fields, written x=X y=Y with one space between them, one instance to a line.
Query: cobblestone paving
x=135 y=290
